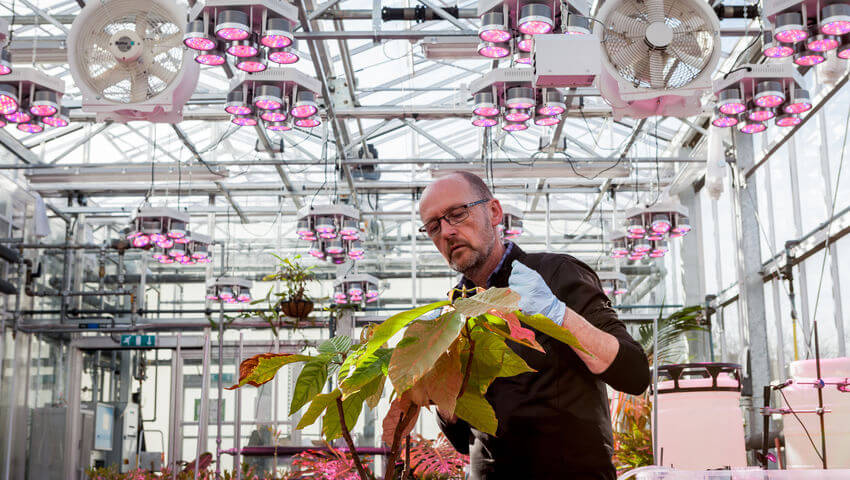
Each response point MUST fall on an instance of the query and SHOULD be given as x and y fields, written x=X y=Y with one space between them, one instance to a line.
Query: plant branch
x=468 y=370
x=408 y=470
x=403 y=422
x=347 y=436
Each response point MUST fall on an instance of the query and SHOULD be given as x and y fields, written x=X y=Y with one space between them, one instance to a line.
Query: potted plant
x=294 y=302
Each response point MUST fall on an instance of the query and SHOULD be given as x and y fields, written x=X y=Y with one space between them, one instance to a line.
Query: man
x=553 y=423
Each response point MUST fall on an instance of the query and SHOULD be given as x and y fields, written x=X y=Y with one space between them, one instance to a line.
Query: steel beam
x=751 y=308
x=233 y=203
x=436 y=141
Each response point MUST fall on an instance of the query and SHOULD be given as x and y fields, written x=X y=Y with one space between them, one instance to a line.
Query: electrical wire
x=806 y=430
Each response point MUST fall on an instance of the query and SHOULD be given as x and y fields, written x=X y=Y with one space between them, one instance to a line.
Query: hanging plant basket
x=298 y=309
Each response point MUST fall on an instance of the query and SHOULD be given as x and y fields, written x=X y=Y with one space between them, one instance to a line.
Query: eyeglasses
x=455 y=216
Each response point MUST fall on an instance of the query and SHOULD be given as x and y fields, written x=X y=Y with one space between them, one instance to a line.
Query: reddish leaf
x=518 y=333
x=441 y=385
x=262 y=367
x=399 y=406
x=436 y=458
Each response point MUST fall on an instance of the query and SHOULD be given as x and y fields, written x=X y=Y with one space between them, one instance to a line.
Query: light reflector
x=789 y=28
x=493 y=28
x=278 y=33
x=493 y=50
x=196 y=38
x=304 y=105
x=835 y=19
x=232 y=25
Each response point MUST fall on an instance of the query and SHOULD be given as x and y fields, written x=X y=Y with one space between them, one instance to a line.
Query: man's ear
x=495 y=210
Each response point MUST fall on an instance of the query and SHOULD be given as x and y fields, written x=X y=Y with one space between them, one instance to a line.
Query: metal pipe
x=204 y=410
x=218 y=415
x=238 y=433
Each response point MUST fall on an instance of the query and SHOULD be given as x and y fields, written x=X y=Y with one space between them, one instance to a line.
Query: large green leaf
x=552 y=329
x=475 y=409
x=442 y=383
x=261 y=368
x=389 y=327
x=317 y=407
x=371 y=367
x=503 y=299
x=310 y=381
x=409 y=363
x=491 y=358
x=338 y=344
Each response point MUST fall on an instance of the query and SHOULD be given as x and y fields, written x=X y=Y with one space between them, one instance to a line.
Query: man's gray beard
x=477 y=261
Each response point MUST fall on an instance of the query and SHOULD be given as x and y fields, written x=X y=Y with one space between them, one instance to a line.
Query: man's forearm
x=602 y=345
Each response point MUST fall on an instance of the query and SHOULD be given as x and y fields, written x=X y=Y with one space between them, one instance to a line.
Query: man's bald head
x=475 y=185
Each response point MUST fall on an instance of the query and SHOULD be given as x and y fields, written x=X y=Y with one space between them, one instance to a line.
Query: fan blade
x=171 y=41
x=630 y=27
x=642 y=73
x=142 y=24
x=682 y=51
x=656 y=69
x=116 y=74
x=688 y=45
x=138 y=88
x=626 y=57
x=689 y=24
x=159 y=71
x=655 y=10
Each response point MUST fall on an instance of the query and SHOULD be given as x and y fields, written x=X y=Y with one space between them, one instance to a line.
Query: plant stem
x=408 y=471
x=468 y=370
x=403 y=422
x=347 y=436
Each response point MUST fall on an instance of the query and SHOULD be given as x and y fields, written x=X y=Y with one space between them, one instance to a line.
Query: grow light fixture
x=788 y=120
x=5 y=62
x=278 y=33
x=252 y=32
x=769 y=94
x=510 y=126
x=790 y=28
x=773 y=48
x=835 y=19
x=731 y=102
x=519 y=97
x=484 y=105
x=196 y=37
x=523 y=58
x=232 y=25
x=844 y=49
x=493 y=50
x=269 y=94
x=526 y=43
x=535 y=19
x=822 y=42
x=229 y=290
x=575 y=24
x=613 y=283
x=284 y=56
x=28 y=97
x=332 y=230
x=356 y=289
x=493 y=28
x=648 y=230
x=546 y=120
x=756 y=93
x=552 y=103
x=480 y=121
x=808 y=58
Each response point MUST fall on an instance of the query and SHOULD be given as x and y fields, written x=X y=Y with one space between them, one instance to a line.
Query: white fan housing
x=658 y=56
x=127 y=58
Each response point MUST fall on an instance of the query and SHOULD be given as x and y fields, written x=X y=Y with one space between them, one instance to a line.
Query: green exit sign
x=138 y=340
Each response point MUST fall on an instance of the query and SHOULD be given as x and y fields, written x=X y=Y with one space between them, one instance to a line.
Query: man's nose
x=447 y=229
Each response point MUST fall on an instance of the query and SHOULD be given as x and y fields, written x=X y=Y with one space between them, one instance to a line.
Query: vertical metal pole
x=174 y=421
x=219 y=412
x=750 y=284
x=204 y=410
x=10 y=424
x=413 y=249
x=275 y=401
x=656 y=455
x=72 y=421
x=237 y=459
x=774 y=283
